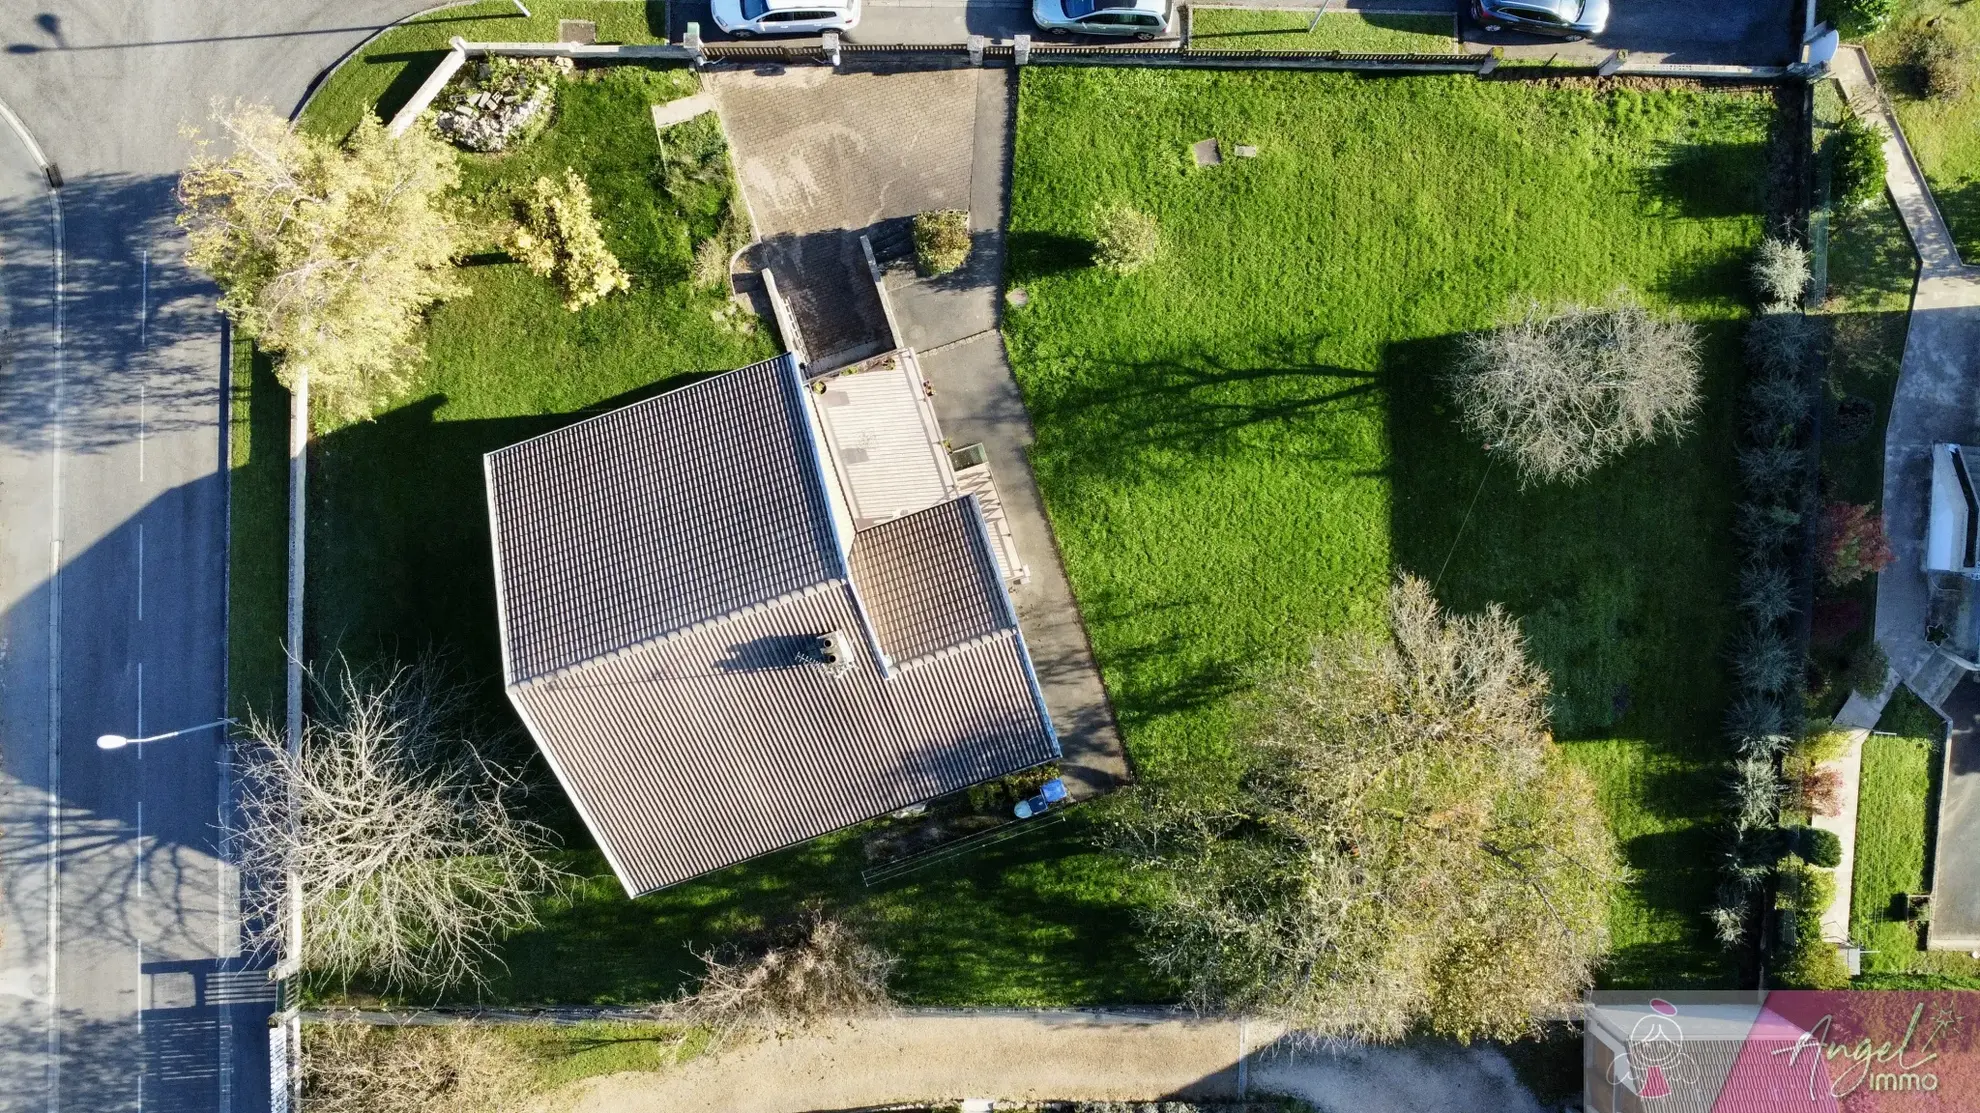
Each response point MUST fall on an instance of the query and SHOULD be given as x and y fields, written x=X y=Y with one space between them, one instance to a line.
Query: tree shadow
x=1705 y=180
x=1033 y=255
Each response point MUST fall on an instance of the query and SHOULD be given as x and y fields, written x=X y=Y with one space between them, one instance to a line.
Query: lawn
x=1893 y=821
x=1241 y=444
x=1349 y=32
x=1944 y=133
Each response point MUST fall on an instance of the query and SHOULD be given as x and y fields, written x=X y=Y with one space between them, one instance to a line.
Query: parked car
x=1567 y=19
x=1143 y=19
x=746 y=19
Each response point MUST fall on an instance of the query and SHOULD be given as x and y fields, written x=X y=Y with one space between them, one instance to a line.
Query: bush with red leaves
x=1853 y=543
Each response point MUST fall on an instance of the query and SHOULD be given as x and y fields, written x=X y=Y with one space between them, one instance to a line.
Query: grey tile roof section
x=651 y=518
x=929 y=582
x=664 y=573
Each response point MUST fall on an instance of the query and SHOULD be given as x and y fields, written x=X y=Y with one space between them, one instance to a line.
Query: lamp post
x=118 y=741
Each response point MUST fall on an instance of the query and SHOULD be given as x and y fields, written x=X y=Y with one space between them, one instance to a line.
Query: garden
x=1925 y=54
x=1241 y=444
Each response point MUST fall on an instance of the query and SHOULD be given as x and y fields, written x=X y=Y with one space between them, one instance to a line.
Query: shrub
x=558 y=237
x=1766 y=592
x=1857 y=175
x=1770 y=469
x=1818 y=847
x=1811 y=962
x=1566 y=391
x=1728 y=925
x=1780 y=344
x=1764 y=661
x=821 y=970
x=1780 y=272
x=1756 y=791
x=1766 y=527
x=1853 y=543
x=1818 y=791
x=1754 y=715
x=1125 y=239
x=1945 y=67
x=1857 y=18
x=941 y=240
x=1868 y=669
x=1777 y=404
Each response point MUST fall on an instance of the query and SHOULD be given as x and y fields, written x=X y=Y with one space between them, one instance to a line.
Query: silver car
x=1142 y=19
x=746 y=19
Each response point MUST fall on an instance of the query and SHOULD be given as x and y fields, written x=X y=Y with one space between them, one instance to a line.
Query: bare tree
x=405 y=834
x=1406 y=847
x=1564 y=392
x=348 y=1067
x=822 y=971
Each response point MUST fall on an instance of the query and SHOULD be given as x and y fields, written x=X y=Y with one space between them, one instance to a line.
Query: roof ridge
x=674 y=635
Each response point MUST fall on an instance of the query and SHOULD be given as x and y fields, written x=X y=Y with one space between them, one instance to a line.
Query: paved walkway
x=1046 y=1055
x=1937 y=400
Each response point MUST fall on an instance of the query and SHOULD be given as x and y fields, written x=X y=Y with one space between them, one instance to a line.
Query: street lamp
x=118 y=741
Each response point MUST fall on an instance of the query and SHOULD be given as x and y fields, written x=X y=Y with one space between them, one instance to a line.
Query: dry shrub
x=408 y=837
x=349 y=1067
x=1564 y=392
x=1945 y=65
x=941 y=240
x=821 y=971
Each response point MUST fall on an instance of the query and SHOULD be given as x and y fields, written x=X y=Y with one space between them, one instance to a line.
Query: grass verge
x=1348 y=32
x=1241 y=444
x=1893 y=820
x=1943 y=131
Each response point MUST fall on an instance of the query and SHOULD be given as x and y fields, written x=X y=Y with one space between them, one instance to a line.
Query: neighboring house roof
x=664 y=574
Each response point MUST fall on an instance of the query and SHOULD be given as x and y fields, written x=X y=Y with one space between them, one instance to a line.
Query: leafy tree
x=1564 y=392
x=558 y=237
x=1406 y=845
x=326 y=254
x=1853 y=543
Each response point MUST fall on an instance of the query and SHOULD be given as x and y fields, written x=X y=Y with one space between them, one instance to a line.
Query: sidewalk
x=1053 y=1055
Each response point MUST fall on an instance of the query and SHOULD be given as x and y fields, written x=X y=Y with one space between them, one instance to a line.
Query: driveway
x=118 y=941
x=825 y=157
x=1035 y=1056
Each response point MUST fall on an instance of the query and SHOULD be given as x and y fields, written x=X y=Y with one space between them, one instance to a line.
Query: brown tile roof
x=929 y=582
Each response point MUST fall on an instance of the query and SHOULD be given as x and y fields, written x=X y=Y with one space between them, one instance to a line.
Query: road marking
x=144 y=299
x=54 y=1068
x=140 y=618
x=141 y=424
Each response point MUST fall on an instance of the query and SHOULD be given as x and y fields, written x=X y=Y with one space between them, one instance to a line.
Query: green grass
x=1241 y=444
x=561 y=1054
x=384 y=75
x=1892 y=827
x=257 y=570
x=1944 y=134
x=1349 y=32
x=1871 y=272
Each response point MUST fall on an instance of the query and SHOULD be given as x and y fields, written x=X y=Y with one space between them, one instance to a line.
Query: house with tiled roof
x=747 y=612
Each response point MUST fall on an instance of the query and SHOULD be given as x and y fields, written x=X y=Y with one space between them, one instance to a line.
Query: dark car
x=1566 y=19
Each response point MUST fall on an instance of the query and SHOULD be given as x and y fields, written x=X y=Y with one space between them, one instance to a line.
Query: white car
x=746 y=19
x=1142 y=19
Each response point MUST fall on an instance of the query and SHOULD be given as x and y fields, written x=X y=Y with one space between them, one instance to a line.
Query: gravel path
x=1052 y=1055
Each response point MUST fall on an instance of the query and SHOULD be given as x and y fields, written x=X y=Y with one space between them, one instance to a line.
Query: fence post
x=1021 y=50
x=976 y=43
x=691 y=39
x=1187 y=25
x=829 y=43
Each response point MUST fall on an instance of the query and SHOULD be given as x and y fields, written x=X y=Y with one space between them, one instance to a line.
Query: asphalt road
x=120 y=980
